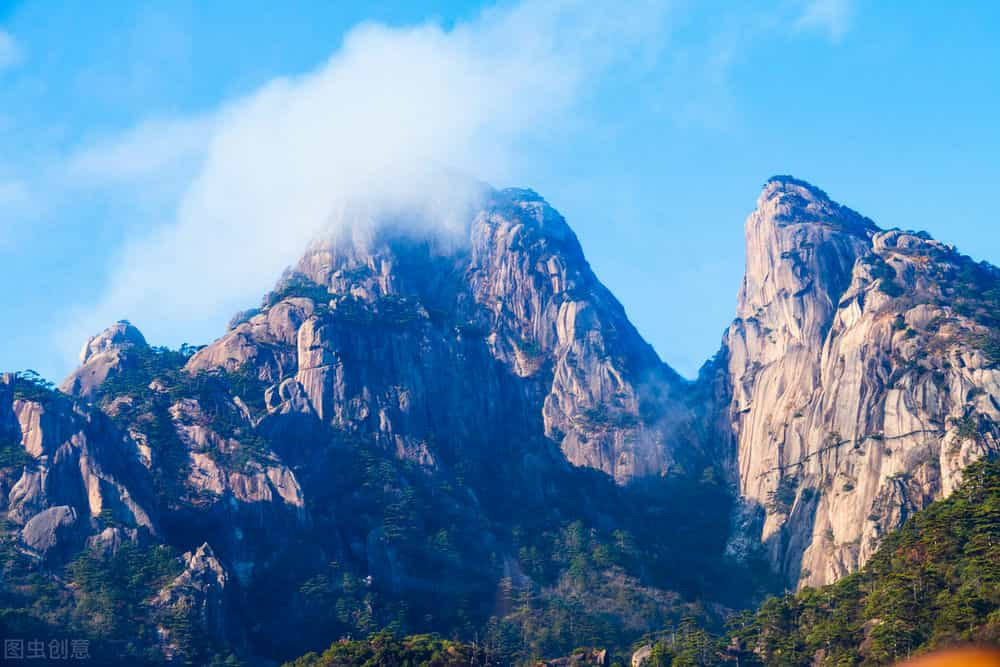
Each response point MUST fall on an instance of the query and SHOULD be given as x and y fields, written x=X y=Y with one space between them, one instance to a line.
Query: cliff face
x=417 y=429
x=410 y=340
x=859 y=375
x=406 y=413
x=69 y=477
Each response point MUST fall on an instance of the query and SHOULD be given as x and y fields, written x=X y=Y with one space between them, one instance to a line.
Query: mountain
x=932 y=583
x=861 y=378
x=460 y=432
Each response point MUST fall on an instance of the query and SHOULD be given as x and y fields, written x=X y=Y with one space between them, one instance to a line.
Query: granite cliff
x=861 y=377
x=462 y=432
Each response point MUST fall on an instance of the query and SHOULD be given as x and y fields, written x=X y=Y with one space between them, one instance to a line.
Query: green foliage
x=112 y=588
x=30 y=386
x=149 y=411
x=385 y=650
x=140 y=367
x=933 y=583
x=297 y=285
x=12 y=453
x=96 y=597
x=967 y=428
x=990 y=345
x=389 y=311
x=780 y=500
x=885 y=274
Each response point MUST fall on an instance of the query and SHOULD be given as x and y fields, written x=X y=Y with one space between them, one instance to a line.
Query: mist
x=397 y=119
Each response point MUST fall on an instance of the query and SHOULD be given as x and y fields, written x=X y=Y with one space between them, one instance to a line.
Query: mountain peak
x=789 y=200
x=102 y=355
x=118 y=336
x=786 y=182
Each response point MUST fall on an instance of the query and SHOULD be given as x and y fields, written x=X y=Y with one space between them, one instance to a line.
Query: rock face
x=101 y=357
x=411 y=421
x=858 y=386
x=50 y=532
x=200 y=596
x=509 y=328
x=366 y=432
x=77 y=471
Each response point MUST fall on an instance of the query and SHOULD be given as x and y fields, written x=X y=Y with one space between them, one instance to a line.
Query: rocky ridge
x=409 y=408
x=858 y=378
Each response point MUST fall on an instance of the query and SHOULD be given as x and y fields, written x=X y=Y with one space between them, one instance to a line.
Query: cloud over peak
x=383 y=125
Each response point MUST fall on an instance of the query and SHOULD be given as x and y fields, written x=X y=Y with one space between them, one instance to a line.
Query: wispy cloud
x=830 y=16
x=10 y=52
x=377 y=125
x=15 y=202
x=145 y=151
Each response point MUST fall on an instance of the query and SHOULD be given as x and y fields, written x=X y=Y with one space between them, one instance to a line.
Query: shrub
x=780 y=500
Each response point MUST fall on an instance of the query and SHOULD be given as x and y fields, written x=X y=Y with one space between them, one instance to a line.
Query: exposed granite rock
x=250 y=503
x=265 y=341
x=200 y=595
x=101 y=357
x=111 y=539
x=51 y=534
x=394 y=327
x=641 y=655
x=79 y=462
x=611 y=404
x=852 y=369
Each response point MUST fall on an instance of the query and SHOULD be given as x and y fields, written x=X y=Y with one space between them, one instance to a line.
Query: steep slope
x=461 y=432
x=420 y=431
x=68 y=477
x=861 y=375
x=519 y=292
x=933 y=583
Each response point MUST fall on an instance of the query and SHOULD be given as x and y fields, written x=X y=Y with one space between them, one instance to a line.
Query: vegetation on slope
x=932 y=583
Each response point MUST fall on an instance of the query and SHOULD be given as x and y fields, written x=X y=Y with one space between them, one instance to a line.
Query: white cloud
x=830 y=16
x=10 y=52
x=145 y=151
x=376 y=126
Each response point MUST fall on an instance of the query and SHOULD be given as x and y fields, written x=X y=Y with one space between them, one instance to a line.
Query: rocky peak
x=517 y=292
x=102 y=356
x=850 y=363
x=200 y=596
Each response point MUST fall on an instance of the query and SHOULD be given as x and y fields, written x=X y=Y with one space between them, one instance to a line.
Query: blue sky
x=162 y=161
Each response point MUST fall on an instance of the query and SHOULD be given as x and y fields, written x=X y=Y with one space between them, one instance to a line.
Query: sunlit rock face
x=76 y=473
x=858 y=383
x=405 y=399
x=103 y=356
x=413 y=339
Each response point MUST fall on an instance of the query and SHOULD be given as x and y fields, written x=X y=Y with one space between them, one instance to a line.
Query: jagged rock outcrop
x=416 y=428
x=102 y=357
x=76 y=471
x=198 y=599
x=375 y=330
x=612 y=404
x=858 y=386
